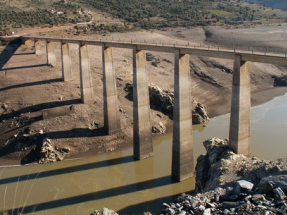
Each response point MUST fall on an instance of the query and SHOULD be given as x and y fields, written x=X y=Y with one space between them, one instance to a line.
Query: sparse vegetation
x=57 y=14
x=146 y=14
x=149 y=14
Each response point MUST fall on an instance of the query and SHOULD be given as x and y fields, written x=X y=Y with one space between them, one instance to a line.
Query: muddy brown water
x=118 y=182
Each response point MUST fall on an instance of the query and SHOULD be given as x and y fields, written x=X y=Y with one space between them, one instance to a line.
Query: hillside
x=170 y=13
x=146 y=14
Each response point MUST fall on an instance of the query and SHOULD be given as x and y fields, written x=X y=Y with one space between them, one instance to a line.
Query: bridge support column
x=51 y=57
x=111 y=111
x=38 y=48
x=182 y=145
x=86 y=84
x=143 y=147
x=239 y=131
x=66 y=62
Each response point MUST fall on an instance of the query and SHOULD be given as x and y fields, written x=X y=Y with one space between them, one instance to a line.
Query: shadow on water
x=31 y=84
x=77 y=168
x=108 y=193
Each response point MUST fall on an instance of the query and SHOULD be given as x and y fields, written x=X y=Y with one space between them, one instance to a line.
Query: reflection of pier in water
x=182 y=149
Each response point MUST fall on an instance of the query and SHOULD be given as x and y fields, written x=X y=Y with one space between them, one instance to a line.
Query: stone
x=266 y=187
x=215 y=147
x=233 y=198
x=196 y=203
x=104 y=211
x=166 y=205
x=228 y=205
x=181 y=213
x=48 y=152
x=206 y=212
x=163 y=100
x=229 y=191
x=199 y=114
x=267 y=184
x=210 y=205
x=242 y=185
x=226 y=212
x=159 y=128
x=279 y=195
x=257 y=197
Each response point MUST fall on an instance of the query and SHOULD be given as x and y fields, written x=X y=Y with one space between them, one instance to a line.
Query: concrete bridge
x=182 y=149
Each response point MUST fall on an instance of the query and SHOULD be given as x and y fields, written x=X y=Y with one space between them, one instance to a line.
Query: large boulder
x=220 y=167
x=199 y=114
x=104 y=211
x=159 y=128
x=163 y=100
x=49 y=153
x=268 y=183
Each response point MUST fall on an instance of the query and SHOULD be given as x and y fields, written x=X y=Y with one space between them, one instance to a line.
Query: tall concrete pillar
x=86 y=83
x=143 y=147
x=66 y=62
x=38 y=48
x=182 y=143
x=111 y=111
x=239 y=131
x=51 y=57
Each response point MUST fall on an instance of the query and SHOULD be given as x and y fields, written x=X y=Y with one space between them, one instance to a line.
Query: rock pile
x=219 y=167
x=199 y=114
x=163 y=100
x=104 y=211
x=241 y=198
x=159 y=128
x=49 y=153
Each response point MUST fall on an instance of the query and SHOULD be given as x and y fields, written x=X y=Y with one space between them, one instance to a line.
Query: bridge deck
x=279 y=59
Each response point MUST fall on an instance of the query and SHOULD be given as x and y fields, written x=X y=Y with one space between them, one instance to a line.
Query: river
x=118 y=182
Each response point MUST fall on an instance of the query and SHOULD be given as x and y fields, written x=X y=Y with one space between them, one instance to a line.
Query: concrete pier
x=143 y=147
x=182 y=144
x=66 y=62
x=51 y=57
x=239 y=131
x=111 y=110
x=38 y=47
x=86 y=83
